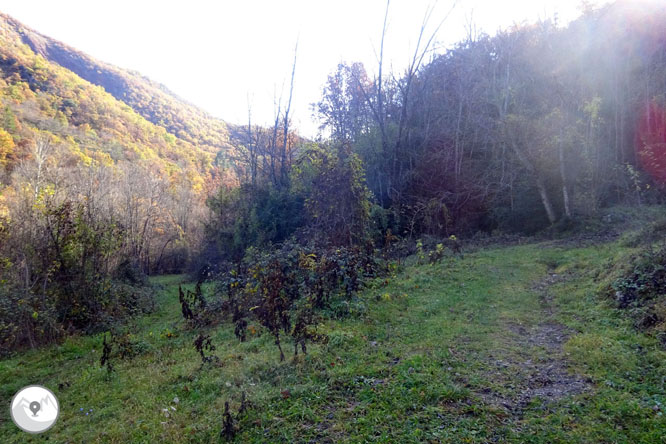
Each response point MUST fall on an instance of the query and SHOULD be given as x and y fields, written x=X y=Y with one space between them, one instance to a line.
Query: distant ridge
x=152 y=100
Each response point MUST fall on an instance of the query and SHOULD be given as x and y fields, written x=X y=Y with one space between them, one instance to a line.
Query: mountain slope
x=145 y=164
x=98 y=111
x=151 y=100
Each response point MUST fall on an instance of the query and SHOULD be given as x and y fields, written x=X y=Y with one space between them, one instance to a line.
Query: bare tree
x=392 y=145
x=286 y=122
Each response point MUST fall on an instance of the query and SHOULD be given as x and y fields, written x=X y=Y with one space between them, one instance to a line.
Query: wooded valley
x=109 y=182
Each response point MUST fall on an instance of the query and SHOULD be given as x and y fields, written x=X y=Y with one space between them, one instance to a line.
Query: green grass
x=409 y=365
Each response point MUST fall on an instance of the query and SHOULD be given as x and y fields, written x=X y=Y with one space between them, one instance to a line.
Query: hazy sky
x=216 y=54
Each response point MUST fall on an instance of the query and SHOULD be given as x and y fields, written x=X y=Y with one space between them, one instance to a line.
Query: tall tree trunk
x=545 y=199
x=285 y=129
x=541 y=185
x=565 y=191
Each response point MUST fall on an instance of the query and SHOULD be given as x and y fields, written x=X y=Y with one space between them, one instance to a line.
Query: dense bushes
x=641 y=290
x=337 y=200
x=251 y=216
x=325 y=201
x=285 y=289
x=56 y=276
x=291 y=252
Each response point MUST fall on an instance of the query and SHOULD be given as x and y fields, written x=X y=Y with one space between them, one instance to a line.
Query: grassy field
x=508 y=344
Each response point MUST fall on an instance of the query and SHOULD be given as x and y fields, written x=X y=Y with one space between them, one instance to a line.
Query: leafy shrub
x=130 y=271
x=252 y=216
x=59 y=274
x=205 y=348
x=337 y=198
x=228 y=424
x=641 y=290
x=277 y=290
x=287 y=288
x=105 y=359
x=194 y=307
x=432 y=250
x=437 y=254
x=231 y=424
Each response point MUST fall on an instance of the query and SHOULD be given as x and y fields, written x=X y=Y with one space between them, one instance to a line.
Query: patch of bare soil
x=538 y=368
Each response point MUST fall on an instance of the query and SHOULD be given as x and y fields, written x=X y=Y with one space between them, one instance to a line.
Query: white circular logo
x=34 y=409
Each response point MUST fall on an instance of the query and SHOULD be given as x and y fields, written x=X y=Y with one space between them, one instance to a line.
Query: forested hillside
x=151 y=100
x=89 y=181
x=538 y=126
x=513 y=131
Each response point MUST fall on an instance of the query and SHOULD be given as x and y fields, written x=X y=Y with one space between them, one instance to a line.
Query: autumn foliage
x=651 y=142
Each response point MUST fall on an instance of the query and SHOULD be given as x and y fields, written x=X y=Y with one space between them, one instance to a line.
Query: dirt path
x=536 y=365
